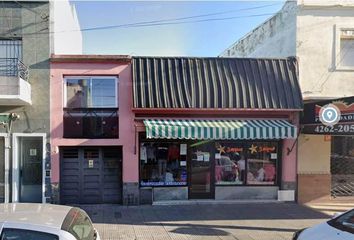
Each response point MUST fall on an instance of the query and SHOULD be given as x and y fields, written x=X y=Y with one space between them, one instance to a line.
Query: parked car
x=31 y=221
x=338 y=228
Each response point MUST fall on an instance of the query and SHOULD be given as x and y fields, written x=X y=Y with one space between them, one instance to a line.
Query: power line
x=155 y=24
x=43 y=16
x=178 y=19
x=174 y=21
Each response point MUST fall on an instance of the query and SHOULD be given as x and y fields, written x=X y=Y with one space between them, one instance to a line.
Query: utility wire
x=175 y=21
x=178 y=19
x=154 y=24
x=30 y=9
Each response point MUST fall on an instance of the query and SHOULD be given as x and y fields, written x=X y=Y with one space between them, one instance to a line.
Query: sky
x=168 y=28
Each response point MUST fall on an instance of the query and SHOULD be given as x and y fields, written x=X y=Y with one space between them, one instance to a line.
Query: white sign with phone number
x=338 y=128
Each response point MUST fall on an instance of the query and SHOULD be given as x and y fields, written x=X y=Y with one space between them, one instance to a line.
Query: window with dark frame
x=91 y=107
x=163 y=163
x=242 y=163
x=246 y=163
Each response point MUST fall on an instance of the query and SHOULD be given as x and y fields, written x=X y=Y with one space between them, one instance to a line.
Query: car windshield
x=78 y=224
x=344 y=222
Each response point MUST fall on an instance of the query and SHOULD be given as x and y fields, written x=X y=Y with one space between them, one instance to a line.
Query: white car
x=338 y=228
x=31 y=221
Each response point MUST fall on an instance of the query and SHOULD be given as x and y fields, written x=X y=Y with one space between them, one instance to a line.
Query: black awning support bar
x=289 y=150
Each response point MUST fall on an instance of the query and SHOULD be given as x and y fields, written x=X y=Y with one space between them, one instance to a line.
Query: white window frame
x=338 y=32
x=90 y=78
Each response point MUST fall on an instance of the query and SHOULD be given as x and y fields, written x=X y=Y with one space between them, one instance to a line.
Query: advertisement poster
x=183 y=149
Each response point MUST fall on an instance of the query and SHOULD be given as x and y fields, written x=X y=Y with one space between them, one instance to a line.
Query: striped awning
x=219 y=129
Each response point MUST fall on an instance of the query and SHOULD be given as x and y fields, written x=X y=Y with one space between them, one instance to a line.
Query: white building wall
x=65 y=28
x=309 y=30
x=320 y=71
x=274 y=38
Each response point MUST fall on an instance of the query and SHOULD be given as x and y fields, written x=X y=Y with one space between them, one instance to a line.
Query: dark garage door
x=91 y=175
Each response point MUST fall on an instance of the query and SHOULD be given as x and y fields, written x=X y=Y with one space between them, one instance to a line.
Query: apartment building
x=26 y=41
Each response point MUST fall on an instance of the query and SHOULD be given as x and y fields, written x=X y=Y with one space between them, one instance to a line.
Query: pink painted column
x=289 y=161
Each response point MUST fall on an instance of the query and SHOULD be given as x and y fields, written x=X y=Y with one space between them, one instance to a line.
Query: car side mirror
x=336 y=215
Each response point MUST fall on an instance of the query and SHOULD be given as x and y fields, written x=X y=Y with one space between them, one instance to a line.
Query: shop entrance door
x=201 y=177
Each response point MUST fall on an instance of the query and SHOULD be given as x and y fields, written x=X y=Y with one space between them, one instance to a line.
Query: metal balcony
x=14 y=86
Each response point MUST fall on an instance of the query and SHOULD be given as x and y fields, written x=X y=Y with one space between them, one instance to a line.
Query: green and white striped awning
x=219 y=129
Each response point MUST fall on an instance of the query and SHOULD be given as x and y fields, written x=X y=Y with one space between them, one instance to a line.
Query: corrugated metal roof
x=234 y=83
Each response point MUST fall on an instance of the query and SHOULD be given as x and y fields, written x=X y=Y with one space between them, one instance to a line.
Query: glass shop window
x=229 y=164
x=250 y=163
x=163 y=164
x=262 y=163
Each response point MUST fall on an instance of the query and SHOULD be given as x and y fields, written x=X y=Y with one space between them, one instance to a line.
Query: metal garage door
x=90 y=175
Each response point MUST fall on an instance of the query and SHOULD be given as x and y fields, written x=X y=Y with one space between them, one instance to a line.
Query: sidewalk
x=252 y=221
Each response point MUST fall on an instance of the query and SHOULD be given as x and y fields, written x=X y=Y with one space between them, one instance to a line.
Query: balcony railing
x=91 y=123
x=13 y=67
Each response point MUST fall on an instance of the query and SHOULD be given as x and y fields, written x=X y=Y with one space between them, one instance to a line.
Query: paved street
x=254 y=221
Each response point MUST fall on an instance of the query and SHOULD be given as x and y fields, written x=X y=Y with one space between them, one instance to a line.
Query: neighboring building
x=66 y=36
x=25 y=46
x=214 y=128
x=92 y=130
x=320 y=34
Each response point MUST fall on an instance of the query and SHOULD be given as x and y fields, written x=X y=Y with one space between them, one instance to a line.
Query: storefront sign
x=149 y=184
x=224 y=149
x=331 y=117
x=266 y=149
x=338 y=129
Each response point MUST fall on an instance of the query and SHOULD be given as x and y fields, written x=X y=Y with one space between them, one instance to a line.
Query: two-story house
x=92 y=130
x=26 y=40
x=320 y=34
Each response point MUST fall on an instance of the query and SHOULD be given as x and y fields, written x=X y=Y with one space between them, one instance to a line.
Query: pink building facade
x=89 y=167
x=138 y=130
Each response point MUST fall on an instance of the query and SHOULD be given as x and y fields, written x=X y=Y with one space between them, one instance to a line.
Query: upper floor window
x=11 y=49
x=91 y=92
x=346 y=48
